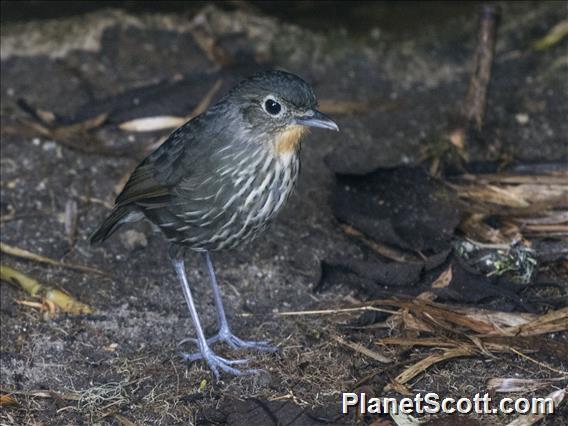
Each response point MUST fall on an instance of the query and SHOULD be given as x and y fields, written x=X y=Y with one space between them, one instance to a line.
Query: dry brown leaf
x=444 y=278
x=6 y=400
x=551 y=195
x=475 y=228
x=551 y=322
x=558 y=230
x=546 y=218
x=411 y=322
x=492 y=194
x=425 y=363
x=482 y=321
x=493 y=320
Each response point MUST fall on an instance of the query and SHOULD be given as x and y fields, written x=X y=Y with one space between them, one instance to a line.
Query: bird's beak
x=314 y=118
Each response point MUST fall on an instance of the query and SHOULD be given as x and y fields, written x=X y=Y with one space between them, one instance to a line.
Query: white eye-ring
x=272 y=106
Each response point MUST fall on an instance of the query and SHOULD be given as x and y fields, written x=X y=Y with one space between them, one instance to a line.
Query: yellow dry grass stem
x=50 y=295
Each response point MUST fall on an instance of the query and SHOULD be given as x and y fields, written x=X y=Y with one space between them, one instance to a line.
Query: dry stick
x=73 y=396
x=24 y=254
x=548 y=367
x=335 y=311
x=475 y=100
x=382 y=249
x=357 y=347
x=71 y=221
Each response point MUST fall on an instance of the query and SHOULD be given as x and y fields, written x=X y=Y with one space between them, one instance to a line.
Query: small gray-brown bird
x=219 y=180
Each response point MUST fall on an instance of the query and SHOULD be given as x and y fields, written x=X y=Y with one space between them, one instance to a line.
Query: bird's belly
x=242 y=215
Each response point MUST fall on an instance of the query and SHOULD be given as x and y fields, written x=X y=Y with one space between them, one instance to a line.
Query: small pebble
x=133 y=239
x=522 y=118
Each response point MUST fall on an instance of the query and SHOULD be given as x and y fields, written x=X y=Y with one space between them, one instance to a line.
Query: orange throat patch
x=288 y=140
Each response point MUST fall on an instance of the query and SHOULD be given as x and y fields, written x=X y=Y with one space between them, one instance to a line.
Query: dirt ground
x=120 y=364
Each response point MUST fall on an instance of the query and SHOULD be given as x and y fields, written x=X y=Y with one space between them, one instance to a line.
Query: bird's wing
x=151 y=184
x=144 y=189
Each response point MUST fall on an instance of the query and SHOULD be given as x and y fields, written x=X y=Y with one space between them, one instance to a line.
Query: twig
x=71 y=221
x=331 y=311
x=73 y=396
x=363 y=350
x=543 y=365
x=24 y=254
x=335 y=311
x=382 y=249
x=475 y=100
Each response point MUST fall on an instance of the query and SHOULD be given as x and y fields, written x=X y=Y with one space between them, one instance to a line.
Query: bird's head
x=278 y=108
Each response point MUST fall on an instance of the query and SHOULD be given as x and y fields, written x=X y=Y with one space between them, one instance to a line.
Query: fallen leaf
x=6 y=400
x=444 y=278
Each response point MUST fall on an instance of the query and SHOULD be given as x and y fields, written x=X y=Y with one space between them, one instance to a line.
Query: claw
x=237 y=343
x=234 y=342
x=217 y=362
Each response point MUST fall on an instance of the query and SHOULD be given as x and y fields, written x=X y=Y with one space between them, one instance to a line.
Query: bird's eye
x=272 y=107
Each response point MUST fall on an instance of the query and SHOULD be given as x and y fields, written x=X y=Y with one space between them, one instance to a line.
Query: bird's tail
x=117 y=217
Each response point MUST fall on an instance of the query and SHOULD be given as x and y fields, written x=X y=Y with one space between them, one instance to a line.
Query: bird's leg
x=225 y=333
x=214 y=361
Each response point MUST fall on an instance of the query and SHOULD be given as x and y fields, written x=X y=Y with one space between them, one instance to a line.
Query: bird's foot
x=225 y=335
x=216 y=363
x=237 y=343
